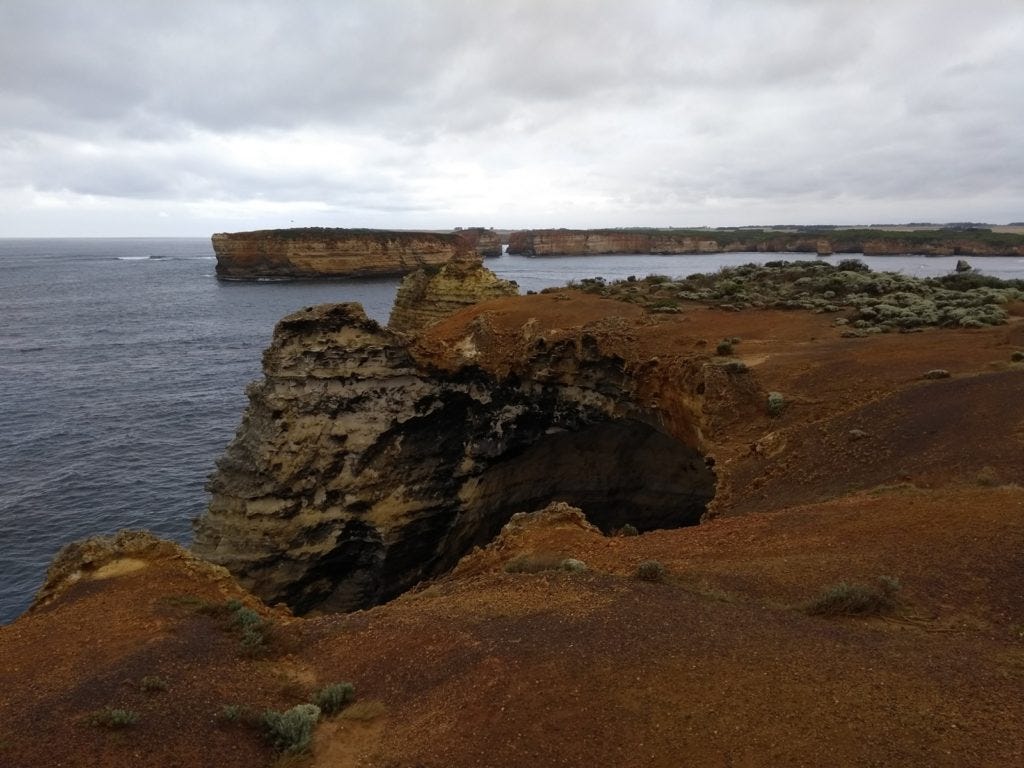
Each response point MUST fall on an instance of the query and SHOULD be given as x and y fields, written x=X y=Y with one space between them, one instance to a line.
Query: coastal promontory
x=824 y=240
x=316 y=252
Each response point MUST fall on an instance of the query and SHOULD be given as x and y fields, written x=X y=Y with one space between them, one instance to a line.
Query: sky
x=157 y=118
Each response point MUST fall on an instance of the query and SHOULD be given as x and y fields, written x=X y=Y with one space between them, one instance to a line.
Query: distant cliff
x=486 y=242
x=319 y=252
x=874 y=242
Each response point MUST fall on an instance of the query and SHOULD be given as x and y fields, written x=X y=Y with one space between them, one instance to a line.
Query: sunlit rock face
x=357 y=471
x=332 y=253
x=429 y=295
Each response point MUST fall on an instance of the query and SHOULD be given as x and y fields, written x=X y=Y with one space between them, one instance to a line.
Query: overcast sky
x=174 y=117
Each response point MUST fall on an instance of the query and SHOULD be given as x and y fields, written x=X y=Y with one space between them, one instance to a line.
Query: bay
x=123 y=364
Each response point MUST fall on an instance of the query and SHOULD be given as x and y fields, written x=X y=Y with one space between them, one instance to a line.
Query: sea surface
x=123 y=364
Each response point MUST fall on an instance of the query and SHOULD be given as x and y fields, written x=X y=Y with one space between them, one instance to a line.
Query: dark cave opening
x=617 y=472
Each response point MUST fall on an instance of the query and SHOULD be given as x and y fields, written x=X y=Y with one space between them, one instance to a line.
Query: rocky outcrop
x=102 y=557
x=428 y=296
x=331 y=253
x=568 y=242
x=485 y=242
x=359 y=470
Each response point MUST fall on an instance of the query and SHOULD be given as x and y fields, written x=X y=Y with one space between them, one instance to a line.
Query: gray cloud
x=436 y=113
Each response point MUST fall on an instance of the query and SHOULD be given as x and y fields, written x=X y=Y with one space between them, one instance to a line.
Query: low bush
x=776 y=403
x=114 y=718
x=724 y=348
x=572 y=565
x=856 y=599
x=627 y=530
x=650 y=570
x=534 y=563
x=334 y=697
x=291 y=731
x=152 y=683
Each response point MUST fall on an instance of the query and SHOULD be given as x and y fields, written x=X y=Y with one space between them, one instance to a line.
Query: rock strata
x=358 y=471
x=427 y=296
x=583 y=242
x=485 y=242
x=333 y=253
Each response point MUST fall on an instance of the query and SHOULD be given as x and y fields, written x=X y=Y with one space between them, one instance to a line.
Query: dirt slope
x=716 y=665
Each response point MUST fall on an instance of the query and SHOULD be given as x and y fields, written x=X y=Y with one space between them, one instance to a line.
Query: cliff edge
x=332 y=253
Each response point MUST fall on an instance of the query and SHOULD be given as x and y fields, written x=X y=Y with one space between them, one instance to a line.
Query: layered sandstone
x=331 y=253
x=485 y=242
x=567 y=242
x=426 y=296
x=359 y=470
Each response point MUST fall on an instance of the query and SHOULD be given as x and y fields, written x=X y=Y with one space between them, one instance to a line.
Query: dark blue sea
x=123 y=364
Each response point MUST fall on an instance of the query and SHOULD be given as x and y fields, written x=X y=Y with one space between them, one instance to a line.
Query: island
x=318 y=252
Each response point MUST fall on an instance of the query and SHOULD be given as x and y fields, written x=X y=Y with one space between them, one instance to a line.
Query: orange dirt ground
x=717 y=665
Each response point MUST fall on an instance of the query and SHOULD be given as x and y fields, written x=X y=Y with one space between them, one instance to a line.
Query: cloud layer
x=139 y=117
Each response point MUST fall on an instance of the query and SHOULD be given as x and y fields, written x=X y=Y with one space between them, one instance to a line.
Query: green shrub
x=252 y=627
x=573 y=565
x=628 y=530
x=724 y=348
x=776 y=403
x=153 y=683
x=232 y=713
x=112 y=718
x=856 y=599
x=533 y=563
x=1017 y=356
x=292 y=730
x=852 y=265
x=332 y=698
x=650 y=570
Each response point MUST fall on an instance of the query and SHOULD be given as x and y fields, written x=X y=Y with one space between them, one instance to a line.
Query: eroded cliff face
x=485 y=243
x=318 y=253
x=568 y=242
x=360 y=469
x=426 y=296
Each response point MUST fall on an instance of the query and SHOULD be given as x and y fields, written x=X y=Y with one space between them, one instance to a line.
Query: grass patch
x=152 y=683
x=114 y=718
x=535 y=562
x=332 y=698
x=856 y=599
x=651 y=570
x=291 y=731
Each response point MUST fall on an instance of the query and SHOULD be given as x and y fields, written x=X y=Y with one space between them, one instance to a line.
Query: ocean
x=123 y=364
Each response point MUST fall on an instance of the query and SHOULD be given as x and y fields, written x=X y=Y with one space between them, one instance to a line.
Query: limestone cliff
x=360 y=469
x=425 y=297
x=877 y=242
x=485 y=242
x=318 y=252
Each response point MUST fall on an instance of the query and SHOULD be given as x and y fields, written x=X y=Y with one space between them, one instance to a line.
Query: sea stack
x=332 y=253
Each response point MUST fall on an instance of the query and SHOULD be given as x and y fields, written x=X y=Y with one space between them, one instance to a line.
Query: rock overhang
x=362 y=466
